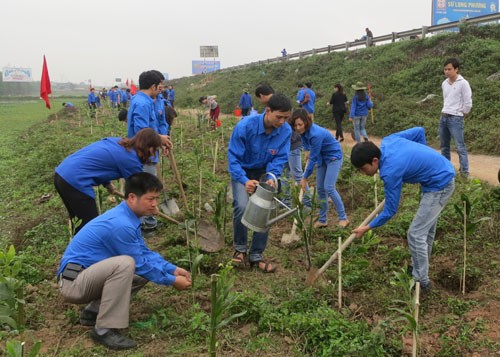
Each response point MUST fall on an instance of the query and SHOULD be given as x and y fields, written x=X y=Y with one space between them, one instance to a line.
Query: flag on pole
x=133 y=87
x=45 y=84
x=126 y=83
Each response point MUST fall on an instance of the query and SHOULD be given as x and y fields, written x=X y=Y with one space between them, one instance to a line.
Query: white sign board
x=13 y=74
x=209 y=51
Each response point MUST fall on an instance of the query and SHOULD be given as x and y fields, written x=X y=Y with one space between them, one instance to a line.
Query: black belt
x=70 y=272
x=446 y=115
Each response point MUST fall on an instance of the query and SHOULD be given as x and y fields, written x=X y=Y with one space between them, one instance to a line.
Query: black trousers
x=338 y=116
x=77 y=203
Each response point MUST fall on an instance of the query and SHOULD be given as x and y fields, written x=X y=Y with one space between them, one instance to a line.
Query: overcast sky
x=105 y=39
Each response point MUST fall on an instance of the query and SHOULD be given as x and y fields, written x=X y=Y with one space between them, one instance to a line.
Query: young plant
x=11 y=290
x=15 y=348
x=220 y=212
x=221 y=300
x=409 y=309
x=470 y=225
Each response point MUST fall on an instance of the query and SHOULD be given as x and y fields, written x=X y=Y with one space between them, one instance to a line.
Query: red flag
x=45 y=84
x=133 y=89
x=126 y=83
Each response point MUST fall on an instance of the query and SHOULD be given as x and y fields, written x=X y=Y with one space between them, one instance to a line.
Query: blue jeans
x=453 y=127
x=359 y=128
x=326 y=178
x=240 y=232
x=423 y=230
x=149 y=222
x=294 y=168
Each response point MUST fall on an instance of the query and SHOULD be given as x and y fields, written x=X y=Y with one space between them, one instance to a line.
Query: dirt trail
x=483 y=167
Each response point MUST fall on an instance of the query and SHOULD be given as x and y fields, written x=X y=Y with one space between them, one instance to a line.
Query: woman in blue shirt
x=325 y=151
x=98 y=164
x=361 y=104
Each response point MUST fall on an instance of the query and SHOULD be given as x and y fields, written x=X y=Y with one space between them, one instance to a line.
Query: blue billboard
x=444 y=11
x=201 y=67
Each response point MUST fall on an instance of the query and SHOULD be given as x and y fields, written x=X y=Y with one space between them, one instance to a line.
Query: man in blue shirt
x=114 y=97
x=171 y=95
x=143 y=113
x=91 y=101
x=245 y=103
x=258 y=144
x=308 y=100
x=404 y=157
x=108 y=260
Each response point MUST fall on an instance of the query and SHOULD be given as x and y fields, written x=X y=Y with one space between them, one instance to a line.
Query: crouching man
x=108 y=260
x=404 y=157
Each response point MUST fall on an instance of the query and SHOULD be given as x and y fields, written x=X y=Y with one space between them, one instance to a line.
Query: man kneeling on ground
x=108 y=260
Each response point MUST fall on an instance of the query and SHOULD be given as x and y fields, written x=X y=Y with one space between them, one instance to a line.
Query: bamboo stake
x=415 y=316
x=215 y=155
x=465 y=246
x=315 y=274
x=340 y=273
x=376 y=189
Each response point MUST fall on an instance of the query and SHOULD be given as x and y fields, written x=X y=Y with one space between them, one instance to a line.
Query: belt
x=446 y=115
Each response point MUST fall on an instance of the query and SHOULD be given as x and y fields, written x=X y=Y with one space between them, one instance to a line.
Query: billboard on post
x=209 y=51
x=16 y=74
x=202 y=67
x=444 y=11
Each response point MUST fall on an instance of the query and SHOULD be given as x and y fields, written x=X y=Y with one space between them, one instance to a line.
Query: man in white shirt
x=457 y=103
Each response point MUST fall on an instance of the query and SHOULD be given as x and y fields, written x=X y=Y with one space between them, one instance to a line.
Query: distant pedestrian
x=338 y=102
x=361 y=104
x=92 y=102
x=457 y=103
x=211 y=103
x=114 y=97
x=369 y=37
x=309 y=100
x=284 y=53
x=171 y=95
x=245 y=103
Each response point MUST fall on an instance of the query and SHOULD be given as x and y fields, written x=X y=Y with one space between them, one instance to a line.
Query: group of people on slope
x=108 y=260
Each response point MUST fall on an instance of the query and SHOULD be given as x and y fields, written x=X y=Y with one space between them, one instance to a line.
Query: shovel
x=167 y=206
x=292 y=237
x=314 y=274
x=177 y=175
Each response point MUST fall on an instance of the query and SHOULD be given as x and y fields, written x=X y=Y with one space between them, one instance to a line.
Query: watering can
x=260 y=205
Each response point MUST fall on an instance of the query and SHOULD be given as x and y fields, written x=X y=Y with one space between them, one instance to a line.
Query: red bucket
x=237 y=112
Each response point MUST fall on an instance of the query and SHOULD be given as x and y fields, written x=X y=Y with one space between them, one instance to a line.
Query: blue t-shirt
x=359 y=108
x=406 y=158
x=114 y=233
x=141 y=114
x=309 y=106
x=251 y=148
x=98 y=164
x=322 y=146
x=245 y=101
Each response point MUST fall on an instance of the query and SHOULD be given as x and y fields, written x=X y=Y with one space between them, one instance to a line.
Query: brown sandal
x=266 y=269
x=239 y=258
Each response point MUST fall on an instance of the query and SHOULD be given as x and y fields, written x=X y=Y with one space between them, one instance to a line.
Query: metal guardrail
x=390 y=37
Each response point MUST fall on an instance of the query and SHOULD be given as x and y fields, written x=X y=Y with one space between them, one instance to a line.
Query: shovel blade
x=173 y=207
x=289 y=238
x=164 y=208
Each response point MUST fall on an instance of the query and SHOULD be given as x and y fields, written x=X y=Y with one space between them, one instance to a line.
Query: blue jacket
x=124 y=96
x=171 y=95
x=309 y=106
x=91 y=98
x=98 y=164
x=117 y=232
x=407 y=159
x=113 y=96
x=161 y=118
x=360 y=108
x=251 y=148
x=141 y=114
x=245 y=101
x=322 y=146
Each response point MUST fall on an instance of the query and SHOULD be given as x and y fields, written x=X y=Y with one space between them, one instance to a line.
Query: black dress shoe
x=113 y=340
x=87 y=318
